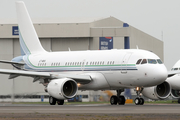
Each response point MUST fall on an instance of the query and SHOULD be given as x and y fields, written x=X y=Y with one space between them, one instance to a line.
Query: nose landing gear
x=139 y=100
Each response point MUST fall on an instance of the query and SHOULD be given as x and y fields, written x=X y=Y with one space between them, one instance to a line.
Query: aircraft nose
x=161 y=74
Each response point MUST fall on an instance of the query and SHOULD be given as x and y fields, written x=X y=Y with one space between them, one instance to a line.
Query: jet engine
x=175 y=93
x=64 y=88
x=161 y=91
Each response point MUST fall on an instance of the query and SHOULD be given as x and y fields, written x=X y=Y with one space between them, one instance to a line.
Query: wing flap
x=11 y=62
x=83 y=79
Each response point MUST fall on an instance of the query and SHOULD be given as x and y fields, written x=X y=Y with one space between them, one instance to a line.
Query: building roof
x=55 y=20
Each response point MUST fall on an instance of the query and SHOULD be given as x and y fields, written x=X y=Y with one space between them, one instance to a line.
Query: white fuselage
x=109 y=69
x=174 y=81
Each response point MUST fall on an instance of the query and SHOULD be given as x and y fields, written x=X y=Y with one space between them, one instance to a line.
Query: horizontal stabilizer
x=11 y=62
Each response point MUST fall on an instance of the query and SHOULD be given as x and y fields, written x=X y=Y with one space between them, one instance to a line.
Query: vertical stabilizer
x=29 y=40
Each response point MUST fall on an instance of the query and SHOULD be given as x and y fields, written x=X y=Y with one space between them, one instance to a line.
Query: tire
x=60 y=102
x=113 y=100
x=121 y=100
x=52 y=100
x=137 y=101
x=141 y=101
x=179 y=100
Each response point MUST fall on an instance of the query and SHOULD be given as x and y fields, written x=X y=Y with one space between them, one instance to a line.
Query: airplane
x=171 y=86
x=64 y=73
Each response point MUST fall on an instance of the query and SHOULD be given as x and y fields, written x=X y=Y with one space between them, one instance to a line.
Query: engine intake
x=64 y=88
x=175 y=93
x=161 y=91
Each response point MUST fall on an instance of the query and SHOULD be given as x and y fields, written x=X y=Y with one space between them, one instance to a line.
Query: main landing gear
x=139 y=100
x=53 y=101
x=119 y=99
x=179 y=100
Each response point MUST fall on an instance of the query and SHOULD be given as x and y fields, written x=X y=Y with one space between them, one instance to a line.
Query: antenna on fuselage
x=69 y=49
x=137 y=47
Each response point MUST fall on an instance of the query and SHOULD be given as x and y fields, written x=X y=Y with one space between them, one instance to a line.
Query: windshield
x=139 y=61
x=152 y=61
x=149 y=61
x=159 y=61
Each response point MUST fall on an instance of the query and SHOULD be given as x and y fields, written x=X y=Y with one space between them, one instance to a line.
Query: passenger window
x=159 y=61
x=152 y=61
x=139 y=61
x=144 y=61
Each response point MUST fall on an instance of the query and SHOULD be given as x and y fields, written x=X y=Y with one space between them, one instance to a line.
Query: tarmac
x=91 y=108
x=147 y=111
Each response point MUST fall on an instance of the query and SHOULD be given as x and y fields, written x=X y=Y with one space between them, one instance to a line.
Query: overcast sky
x=154 y=17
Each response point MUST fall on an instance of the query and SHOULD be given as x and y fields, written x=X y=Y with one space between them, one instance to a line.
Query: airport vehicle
x=171 y=86
x=63 y=73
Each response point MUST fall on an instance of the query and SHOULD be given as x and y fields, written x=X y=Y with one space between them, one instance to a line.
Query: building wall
x=145 y=41
x=75 y=44
x=62 y=30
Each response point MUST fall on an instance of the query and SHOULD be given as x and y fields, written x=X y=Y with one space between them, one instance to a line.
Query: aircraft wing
x=172 y=73
x=83 y=79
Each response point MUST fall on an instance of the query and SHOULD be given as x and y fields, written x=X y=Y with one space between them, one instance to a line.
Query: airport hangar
x=65 y=34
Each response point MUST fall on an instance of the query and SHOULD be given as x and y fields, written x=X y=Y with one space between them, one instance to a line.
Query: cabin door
x=124 y=63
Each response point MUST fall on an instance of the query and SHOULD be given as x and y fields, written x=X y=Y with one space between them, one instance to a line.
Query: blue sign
x=42 y=98
x=15 y=30
x=105 y=43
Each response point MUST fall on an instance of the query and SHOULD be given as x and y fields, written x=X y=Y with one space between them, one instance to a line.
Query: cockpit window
x=152 y=61
x=139 y=61
x=159 y=61
x=175 y=68
x=144 y=61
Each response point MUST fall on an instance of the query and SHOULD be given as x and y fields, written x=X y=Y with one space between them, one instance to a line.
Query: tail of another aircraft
x=28 y=38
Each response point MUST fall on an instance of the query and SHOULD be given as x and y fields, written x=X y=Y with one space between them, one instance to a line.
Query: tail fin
x=29 y=40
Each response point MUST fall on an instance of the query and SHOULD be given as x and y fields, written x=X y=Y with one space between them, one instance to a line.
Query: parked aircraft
x=64 y=73
x=174 y=81
x=170 y=87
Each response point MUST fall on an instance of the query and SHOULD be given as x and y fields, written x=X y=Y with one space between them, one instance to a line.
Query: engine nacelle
x=161 y=91
x=175 y=93
x=64 y=88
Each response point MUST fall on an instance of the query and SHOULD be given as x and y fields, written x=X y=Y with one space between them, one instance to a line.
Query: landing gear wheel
x=121 y=100
x=60 y=102
x=179 y=100
x=137 y=101
x=141 y=101
x=52 y=101
x=113 y=100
